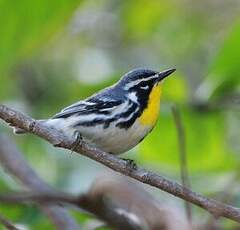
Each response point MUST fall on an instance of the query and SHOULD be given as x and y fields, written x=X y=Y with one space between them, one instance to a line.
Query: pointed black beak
x=165 y=73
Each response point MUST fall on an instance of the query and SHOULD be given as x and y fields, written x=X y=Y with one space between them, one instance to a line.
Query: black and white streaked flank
x=109 y=118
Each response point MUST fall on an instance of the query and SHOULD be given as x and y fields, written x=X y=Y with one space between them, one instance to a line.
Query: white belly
x=112 y=139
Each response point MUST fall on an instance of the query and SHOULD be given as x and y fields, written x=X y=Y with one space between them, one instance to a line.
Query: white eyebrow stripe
x=136 y=82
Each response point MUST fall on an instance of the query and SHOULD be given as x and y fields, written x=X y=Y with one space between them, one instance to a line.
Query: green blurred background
x=53 y=53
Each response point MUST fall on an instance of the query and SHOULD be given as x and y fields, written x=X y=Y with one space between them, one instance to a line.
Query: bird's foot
x=130 y=164
x=77 y=141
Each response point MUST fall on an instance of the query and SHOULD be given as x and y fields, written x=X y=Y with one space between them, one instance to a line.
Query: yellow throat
x=151 y=112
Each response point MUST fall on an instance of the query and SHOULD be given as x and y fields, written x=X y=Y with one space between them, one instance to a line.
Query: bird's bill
x=165 y=73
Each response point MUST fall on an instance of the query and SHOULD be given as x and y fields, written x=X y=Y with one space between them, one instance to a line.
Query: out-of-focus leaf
x=142 y=18
x=81 y=217
x=26 y=215
x=205 y=138
x=224 y=75
x=27 y=25
x=175 y=89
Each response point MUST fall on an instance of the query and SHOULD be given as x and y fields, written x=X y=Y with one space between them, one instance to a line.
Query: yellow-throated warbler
x=116 y=118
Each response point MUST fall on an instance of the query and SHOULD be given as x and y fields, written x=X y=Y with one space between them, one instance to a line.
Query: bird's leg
x=131 y=164
x=77 y=141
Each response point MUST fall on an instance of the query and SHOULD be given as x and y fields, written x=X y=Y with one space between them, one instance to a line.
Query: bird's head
x=142 y=81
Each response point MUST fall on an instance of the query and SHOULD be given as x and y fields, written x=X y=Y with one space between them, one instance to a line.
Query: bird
x=117 y=118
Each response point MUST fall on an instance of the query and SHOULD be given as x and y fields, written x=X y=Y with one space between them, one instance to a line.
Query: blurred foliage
x=27 y=26
x=53 y=53
x=224 y=74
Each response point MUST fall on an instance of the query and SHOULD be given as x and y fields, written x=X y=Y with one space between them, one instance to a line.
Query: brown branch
x=183 y=156
x=58 y=139
x=13 y=162
x=100 y=208
x=132 y=200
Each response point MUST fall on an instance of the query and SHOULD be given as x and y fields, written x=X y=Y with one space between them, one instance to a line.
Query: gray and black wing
x=102 y=110
x=91 y=112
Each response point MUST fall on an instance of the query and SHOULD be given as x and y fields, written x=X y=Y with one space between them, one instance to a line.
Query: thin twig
x=58 y=139
x=8 y=225
x=183 y=156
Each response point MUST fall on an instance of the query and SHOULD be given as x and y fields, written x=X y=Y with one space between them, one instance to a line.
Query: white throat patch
x=132 y=96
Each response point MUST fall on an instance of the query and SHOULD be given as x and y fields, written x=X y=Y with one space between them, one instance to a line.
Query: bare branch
x=183 y=156
x=58 y=139
x=99 y=208
x=131 y=199
x=13 y=162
